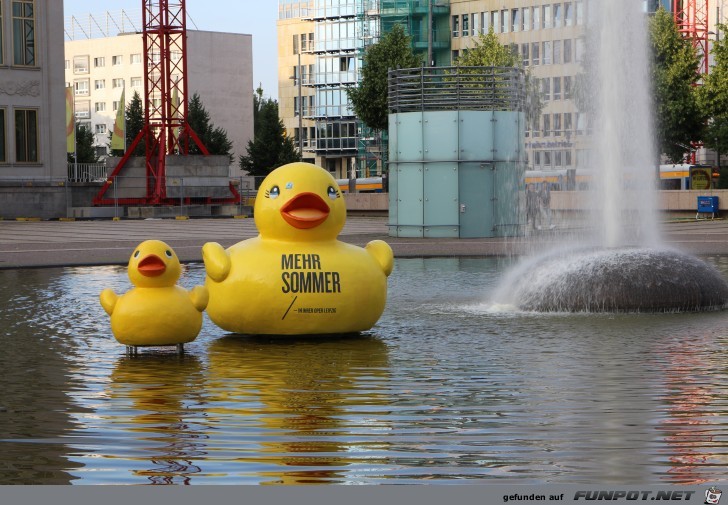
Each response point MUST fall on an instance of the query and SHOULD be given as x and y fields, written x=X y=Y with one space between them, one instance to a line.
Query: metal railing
x=86 y=172
x=457 y=88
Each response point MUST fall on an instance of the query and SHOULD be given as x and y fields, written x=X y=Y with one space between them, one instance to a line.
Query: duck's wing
x=217 y=261
x=199 y=296
x=108 y=300
x=383 y=254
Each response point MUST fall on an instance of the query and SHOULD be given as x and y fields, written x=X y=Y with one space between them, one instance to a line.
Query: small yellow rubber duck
x=295 y=277
x=156 y=312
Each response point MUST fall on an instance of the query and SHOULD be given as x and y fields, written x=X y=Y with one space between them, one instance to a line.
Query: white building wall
x=219 y=69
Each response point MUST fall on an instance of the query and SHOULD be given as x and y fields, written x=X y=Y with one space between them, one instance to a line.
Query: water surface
x=449 y=387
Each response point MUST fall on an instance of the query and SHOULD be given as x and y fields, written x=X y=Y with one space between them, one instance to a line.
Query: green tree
x=713 y=101
x=488 y=51
x=85 y=150
x=674 y=70
x=369 y=98
x=133 y=124
x=214 y=138
x=270 y=147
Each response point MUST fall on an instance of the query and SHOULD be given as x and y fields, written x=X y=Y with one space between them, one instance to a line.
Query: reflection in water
x=316 y=402
x=447 y=387
x=161 y=395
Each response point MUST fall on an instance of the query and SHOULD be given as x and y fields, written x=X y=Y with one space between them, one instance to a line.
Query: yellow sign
x=701 y=178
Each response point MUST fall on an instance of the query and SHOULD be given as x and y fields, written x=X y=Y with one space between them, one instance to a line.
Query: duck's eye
x=274 y=192
x=136 y=253
x=168 y=253
x=333 y=194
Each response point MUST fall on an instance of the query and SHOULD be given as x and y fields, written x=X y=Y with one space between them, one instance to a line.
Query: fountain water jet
x=623 y=266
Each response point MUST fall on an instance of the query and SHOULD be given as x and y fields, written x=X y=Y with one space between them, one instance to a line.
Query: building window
x=295 y=43
x=557 y=88
x=568 y=14
x=557 y=125
x=456 y=26
x=99 y=62
x=524 y=54
x=80 y=87
x=567 y=124
x=546 y=17
x=466 y=25
x=100 y=106
x=3 y=156
x=99 y=84
x=485 y=21
x=579 y=56
x=115 y=105
x=136 y=82
x=526 y=18
x=80 y=64
x=26 y=135
x=515 y=20
x=547 y=159
x=579 y=7
x=100 y=128
x=82 y=109
x=495 y=21
x=567 y=51
x=536 y=18
x=474 y=18
x=547 y=51
x=117 y=83
x=557 y=16
x=535 y=51
x=23 y=33
x=116 y=60
x=557 y=52
x=567 y=87
x=546 y=88
x=136 y=58
x=504 y=21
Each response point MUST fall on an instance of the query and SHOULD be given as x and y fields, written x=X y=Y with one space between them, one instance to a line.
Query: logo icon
x=712 y=495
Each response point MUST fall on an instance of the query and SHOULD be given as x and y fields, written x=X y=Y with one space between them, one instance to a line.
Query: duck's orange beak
x=151 y=266
x=305 y=211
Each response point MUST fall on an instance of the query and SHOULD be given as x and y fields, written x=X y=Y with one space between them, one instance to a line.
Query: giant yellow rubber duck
x=296 y=277
x=156 y=312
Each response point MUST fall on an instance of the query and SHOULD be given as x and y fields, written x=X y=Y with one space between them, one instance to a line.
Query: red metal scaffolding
x=166 y=130
x=691 y=18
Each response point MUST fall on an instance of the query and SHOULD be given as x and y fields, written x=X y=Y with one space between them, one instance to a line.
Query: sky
x=255 y=17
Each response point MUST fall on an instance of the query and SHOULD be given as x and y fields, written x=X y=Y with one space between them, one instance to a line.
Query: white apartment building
x=219 y=69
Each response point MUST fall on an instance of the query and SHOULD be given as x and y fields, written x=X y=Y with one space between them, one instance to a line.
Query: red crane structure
x=691 y=18
x=166 y=130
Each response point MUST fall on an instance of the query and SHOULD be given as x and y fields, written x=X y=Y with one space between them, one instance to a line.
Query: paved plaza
x=104 y=242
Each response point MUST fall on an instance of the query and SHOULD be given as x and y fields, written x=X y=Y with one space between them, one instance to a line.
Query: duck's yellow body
x=296 y=277
x=156 y=312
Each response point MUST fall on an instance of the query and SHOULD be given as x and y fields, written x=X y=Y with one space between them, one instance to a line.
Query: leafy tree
x=134 y=122
x=369 y=99
x=489 y=52
x=270 y=147
x=674 y=70
x=85 y=150
x=713 y=101
x=215 y=139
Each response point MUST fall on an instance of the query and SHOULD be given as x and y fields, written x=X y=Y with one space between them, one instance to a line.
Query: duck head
x=299 y=201
x=154 y=264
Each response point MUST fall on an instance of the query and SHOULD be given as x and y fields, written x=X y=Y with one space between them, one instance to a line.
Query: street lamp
x=297 y=77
